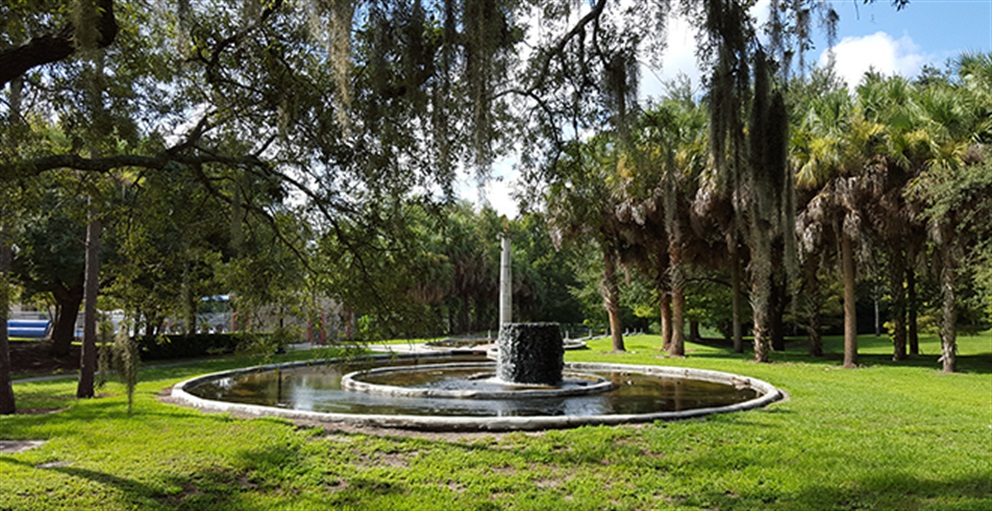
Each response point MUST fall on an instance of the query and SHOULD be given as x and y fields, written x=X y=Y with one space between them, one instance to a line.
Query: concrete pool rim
x=767 y=394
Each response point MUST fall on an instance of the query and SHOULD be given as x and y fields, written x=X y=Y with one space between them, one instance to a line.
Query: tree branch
x=49 y=48
x=559 y=48
x=160 y=161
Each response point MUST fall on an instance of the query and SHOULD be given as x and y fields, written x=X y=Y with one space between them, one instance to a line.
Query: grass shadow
x=871 y=353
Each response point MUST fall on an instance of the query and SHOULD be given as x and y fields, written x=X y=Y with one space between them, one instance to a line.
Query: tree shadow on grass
x=269 y=477
x=885 y=489
x=77 y=415
x=139 y=495
x=795 y=352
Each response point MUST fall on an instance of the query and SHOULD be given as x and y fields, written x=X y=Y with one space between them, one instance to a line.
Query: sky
x=874 y=36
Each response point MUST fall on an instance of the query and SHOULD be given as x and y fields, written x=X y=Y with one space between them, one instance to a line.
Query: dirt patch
x=14 y=446
x=454 y=437
x=55 y=464
x=38 y=411
x=386 y=459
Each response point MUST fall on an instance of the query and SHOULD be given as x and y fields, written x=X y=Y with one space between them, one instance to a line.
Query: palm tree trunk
x=898 y=293
x=811 y=307
x=611 y=300
x=948 y=326
x=850 y=315
x=666 y=319
x=776 y=312
x=91 y=283
x=912 y=331
x=677 y=348
x=736 y=299
x=676 y=280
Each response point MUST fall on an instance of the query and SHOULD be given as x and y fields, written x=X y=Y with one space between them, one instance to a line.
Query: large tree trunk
x=666 y=319
x=67 y=302
x=849 y=276
x=87 y=368
x=736 y=300
x=897 y=291
x=949 y=309
x=611 y=300
x=7 y=404
x=761 y=270
x=811 y=307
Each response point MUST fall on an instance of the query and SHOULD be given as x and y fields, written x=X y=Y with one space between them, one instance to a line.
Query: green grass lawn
x=884 y=436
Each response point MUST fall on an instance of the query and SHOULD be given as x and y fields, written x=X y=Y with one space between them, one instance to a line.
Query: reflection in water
x=318 y=388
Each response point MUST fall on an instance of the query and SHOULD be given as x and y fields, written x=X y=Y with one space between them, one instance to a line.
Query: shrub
x=165 y=347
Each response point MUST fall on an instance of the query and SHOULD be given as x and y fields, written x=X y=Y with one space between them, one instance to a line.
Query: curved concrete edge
x=352 y=381
x=769 y=395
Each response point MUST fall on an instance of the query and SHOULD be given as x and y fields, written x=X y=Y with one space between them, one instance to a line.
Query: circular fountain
x=529 y=387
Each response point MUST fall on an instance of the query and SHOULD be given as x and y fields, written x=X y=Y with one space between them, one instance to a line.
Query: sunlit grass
x=885 y=436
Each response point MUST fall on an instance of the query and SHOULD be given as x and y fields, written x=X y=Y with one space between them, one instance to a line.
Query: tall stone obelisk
x=505 y=283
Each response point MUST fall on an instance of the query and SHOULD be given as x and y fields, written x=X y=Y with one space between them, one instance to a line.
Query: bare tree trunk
x=736 y=299
x=949 y=309
x=878 y=316
x=850 y=315
x=898 y=293
x=694 y=335
x=349 y=318
x=611 y=300
x=189 y=301
x=91 y=283
x=67 y=302
x=7 y=403
x=666 y=319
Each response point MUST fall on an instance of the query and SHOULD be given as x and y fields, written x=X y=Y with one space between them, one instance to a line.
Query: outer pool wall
x=767 y=394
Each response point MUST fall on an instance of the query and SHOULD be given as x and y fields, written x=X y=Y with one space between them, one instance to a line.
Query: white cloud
x=679 y=57
x=878 y=51
x=496 y=191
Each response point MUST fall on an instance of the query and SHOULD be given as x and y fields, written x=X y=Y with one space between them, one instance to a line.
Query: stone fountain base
x=530 y=354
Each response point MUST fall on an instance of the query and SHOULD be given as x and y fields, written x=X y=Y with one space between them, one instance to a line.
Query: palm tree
x=581 y=205
x=950 y=183
x=673 y=143
x=831 y=149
